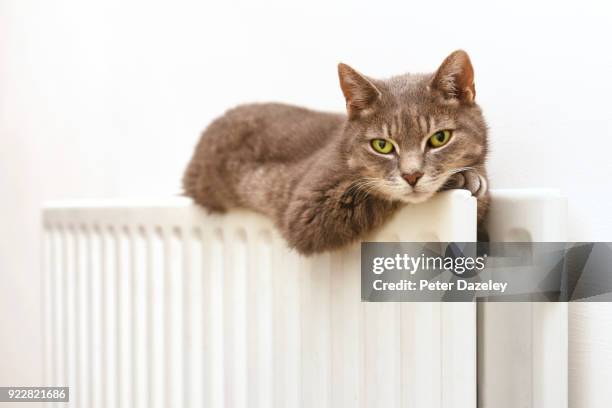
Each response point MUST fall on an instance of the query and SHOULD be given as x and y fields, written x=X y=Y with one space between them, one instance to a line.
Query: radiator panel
x=161 y=305
x=523 y=347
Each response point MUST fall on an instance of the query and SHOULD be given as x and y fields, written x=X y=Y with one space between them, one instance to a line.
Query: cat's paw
x=468 y=180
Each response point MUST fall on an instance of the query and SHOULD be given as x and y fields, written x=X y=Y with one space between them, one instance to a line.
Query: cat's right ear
x=359 y=92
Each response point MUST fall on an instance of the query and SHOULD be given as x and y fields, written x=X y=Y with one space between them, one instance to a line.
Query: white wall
x=107 y=98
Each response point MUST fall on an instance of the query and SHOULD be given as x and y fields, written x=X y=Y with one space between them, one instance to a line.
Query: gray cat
x=327 y=179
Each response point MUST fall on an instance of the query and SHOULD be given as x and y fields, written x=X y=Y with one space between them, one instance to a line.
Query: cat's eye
x=382 y=146
x=440 y=138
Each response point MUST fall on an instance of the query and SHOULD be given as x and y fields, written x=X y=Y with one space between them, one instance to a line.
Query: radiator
x=157 y=304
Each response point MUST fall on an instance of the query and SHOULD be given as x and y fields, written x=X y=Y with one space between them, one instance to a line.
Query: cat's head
x=405 y=136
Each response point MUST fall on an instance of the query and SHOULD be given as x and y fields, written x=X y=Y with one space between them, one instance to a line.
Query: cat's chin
x=415 y=197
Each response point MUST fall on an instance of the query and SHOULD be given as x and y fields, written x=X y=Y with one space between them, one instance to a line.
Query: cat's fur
x=316 y=174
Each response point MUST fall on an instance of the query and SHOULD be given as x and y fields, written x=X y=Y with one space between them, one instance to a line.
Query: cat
x=326 y=179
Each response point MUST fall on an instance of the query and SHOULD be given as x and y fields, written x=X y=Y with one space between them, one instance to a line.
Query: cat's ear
x=455 y=78
x=360 y=93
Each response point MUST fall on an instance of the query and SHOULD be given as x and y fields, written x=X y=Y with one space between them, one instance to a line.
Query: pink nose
x=412 y=178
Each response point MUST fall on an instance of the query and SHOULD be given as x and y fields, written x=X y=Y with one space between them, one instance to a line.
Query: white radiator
x=157 y=304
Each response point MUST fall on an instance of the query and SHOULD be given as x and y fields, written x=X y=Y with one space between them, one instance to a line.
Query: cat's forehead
x=408 y=87
x=409 y=110
x=411 y=94
x=408 y=98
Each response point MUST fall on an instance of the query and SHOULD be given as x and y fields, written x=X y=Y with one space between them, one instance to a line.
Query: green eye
x=382 y=146
x=440 y=138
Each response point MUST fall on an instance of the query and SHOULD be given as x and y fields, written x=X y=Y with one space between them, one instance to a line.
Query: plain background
x=107 y=98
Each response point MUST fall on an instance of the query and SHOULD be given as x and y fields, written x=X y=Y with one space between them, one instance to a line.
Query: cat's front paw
x=469 y=180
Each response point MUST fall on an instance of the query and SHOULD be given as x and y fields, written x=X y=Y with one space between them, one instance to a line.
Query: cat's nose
x=412 y=178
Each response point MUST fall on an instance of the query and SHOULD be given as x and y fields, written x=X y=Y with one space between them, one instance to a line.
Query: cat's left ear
x=360 y=93
x=455 y=78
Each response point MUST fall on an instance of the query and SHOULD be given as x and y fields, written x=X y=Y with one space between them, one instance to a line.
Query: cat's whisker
x=361 y=188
